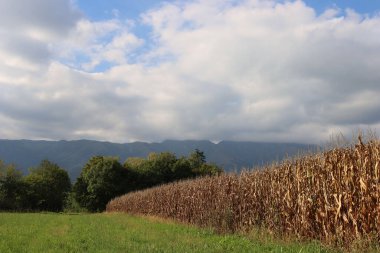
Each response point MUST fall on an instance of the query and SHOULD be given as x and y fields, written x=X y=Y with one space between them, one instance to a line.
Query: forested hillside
x=73 y=155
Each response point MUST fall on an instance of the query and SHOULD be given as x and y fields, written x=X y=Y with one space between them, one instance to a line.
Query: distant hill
x=72 y=155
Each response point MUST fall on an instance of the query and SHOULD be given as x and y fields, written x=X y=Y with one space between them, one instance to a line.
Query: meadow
x=52 y=232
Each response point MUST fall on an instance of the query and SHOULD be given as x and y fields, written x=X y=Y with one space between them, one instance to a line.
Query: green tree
x=197 y=159
x=181 y=169
x=161 y=167
x=199 y=167
x=101 y=179
x=134 y=163
x=137 y=173
x=72 y=205
x=47 y=187
x=207 y=170
x=156 y=169
x=11 y=188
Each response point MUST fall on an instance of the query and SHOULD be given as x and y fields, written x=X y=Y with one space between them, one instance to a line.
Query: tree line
x=47 y=187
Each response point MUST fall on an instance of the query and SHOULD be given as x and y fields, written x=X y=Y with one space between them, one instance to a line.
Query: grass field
x=49 y=232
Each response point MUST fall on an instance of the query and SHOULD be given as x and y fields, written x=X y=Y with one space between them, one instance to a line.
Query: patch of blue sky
x=366 y=7
x=125 y=9
x=103 y=66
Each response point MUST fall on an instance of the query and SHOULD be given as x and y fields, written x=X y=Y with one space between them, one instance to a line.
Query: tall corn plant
x=332 y=196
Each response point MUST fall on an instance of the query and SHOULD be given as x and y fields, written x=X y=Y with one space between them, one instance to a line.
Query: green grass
x=49 y=232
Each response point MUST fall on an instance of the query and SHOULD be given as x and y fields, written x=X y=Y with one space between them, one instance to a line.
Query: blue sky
x=98 y=9
x=366 y=6
x=296 y=71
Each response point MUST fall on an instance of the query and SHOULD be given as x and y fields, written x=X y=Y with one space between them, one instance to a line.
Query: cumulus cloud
x=236 y=70
x=93 y=43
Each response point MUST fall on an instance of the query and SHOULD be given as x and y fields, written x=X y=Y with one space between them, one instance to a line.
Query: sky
x=148 y=70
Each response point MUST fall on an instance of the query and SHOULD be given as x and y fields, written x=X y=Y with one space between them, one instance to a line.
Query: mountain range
x=73 y=155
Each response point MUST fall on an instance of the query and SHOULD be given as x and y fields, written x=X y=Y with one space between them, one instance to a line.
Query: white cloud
x=92 y=43
x=240 y=70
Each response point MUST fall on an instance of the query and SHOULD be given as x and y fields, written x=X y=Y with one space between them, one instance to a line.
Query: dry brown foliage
x=333 y=196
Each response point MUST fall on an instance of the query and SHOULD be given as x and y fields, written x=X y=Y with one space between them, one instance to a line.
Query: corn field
x=332 y=196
